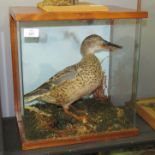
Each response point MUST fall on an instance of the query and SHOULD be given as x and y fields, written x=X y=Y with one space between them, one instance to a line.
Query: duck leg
x=99 y=93
x=82 y=119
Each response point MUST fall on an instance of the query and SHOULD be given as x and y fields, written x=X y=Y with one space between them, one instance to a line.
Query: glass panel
x=124 y=64
x=83 y=99
x=57 y=47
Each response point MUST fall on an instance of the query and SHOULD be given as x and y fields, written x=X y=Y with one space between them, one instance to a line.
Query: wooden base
x=146 y=112
x=51 y=142
x=73 y=8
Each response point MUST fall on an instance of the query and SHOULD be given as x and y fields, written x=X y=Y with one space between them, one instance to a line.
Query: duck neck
x=87 y=52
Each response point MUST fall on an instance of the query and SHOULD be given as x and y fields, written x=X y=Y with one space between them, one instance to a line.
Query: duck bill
x=110 y=46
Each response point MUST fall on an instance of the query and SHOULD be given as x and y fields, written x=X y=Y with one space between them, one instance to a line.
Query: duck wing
x=66 y=74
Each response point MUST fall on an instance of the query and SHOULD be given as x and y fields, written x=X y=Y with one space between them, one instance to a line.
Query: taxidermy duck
x=76 y=81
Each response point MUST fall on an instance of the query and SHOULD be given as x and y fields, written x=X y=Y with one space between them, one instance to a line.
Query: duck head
x=95 y=43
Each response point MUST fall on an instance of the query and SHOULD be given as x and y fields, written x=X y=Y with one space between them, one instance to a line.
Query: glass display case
x=75 y=74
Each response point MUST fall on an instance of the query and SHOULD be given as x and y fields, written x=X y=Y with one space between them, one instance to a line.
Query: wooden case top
x=36 y=14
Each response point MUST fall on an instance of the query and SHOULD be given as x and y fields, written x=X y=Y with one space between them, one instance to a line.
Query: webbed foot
x=83 y=119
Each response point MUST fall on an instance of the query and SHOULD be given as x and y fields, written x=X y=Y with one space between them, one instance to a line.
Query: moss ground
x=102 y=117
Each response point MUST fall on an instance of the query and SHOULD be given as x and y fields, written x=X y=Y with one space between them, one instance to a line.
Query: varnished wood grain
x=146 y=113
x=146 y=116
x=36 y=14
x=27 y=145
x=15 y=69
x=73 y=8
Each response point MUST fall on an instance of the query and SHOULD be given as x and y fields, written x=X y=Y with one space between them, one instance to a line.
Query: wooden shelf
x=36 y=14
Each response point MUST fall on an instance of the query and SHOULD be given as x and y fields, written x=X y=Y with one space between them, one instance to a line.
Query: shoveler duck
x=75 y=81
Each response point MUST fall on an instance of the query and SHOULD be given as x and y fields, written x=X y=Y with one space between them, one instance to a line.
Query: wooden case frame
x=19 y=14
x=146 y=112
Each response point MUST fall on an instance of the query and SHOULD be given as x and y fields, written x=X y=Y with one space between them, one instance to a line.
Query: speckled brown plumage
x=75 y=81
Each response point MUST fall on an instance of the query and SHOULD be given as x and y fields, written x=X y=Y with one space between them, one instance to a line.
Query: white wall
x=147 y=61
x=124 y=3
x=5 y=54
